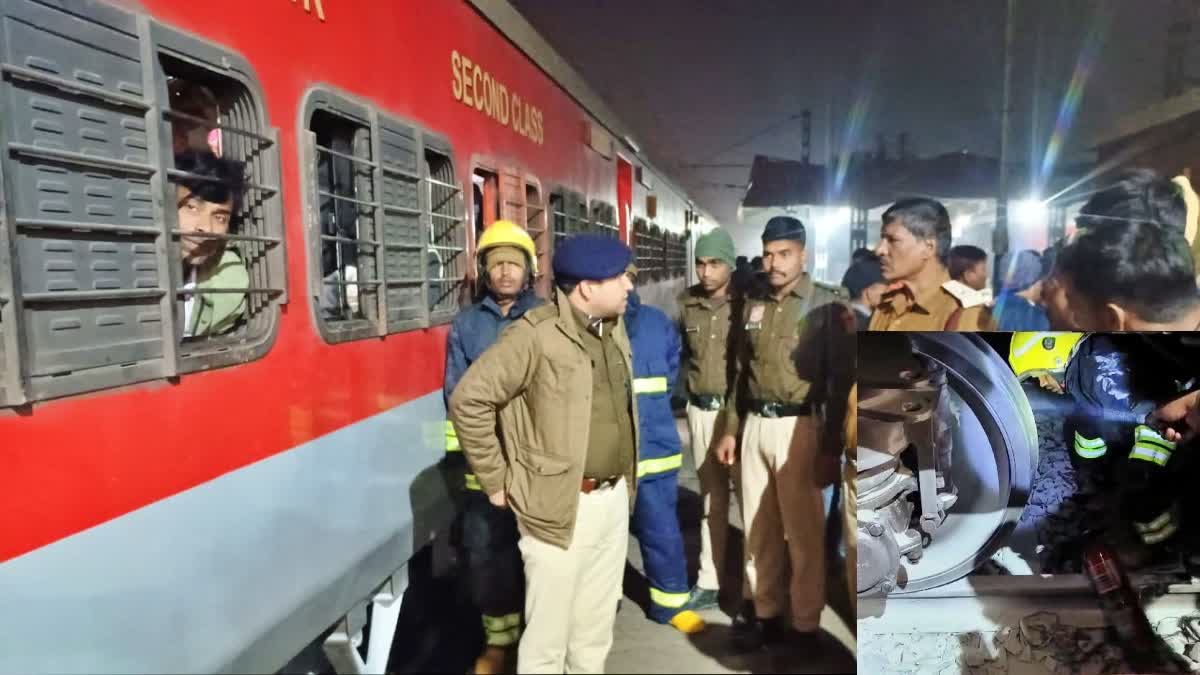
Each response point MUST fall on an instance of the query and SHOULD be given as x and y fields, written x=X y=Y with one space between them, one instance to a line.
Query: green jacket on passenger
x=535 y=386
x=217 y=313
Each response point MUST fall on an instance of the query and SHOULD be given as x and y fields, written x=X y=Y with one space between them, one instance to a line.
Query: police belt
x=776 y=409
x=587 y=485
x=707 y=401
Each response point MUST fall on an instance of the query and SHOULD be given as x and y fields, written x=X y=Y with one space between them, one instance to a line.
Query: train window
x=487 y=199
x=676 y=256
x=446 y=252
x=535 y=223
x=100 y=300
x=659 y=237
x=604 y=219
x=386 y=242
x=345 y=236
x=643 y=248
x=568 y=213
x=231 y=279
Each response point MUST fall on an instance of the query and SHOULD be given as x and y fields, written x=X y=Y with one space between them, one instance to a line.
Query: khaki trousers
x=571 y=595
x=714 y=493
x=785 y=518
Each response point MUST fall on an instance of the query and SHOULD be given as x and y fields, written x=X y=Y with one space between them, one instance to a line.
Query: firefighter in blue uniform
x=656 y=353
x=1115 y=382
x=488 y=535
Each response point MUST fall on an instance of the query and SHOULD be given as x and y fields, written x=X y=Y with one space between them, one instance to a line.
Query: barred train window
x=348 y=242
x=226 y=303
x=100 y=292
x=604 y=219
x=569 y=213
x=535 y=223
x=386 y=231
x=643 y=251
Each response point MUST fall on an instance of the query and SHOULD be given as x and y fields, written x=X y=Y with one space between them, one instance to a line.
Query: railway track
x=1015 y=624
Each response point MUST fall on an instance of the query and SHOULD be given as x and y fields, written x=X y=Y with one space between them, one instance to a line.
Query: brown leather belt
x=588 y=484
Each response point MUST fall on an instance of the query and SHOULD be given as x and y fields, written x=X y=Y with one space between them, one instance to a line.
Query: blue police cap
x=590 y=257
x=783 y=227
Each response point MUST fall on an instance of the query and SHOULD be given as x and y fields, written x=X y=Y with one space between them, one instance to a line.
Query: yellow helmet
x=507 y=233
x=1036 y=353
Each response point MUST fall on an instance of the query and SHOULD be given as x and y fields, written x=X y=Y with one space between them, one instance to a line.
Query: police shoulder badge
x=967 y=297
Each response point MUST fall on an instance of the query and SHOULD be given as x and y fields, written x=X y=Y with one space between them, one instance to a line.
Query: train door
x=624 y=196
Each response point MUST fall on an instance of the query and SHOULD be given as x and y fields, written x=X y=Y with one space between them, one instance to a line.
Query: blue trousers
x=655 y=523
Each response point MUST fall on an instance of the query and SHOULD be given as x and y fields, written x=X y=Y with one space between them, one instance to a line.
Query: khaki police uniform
x=707 y=328
x=783 y=511
x=948 y=306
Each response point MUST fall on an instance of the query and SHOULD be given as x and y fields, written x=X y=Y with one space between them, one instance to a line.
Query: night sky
x=694 y=78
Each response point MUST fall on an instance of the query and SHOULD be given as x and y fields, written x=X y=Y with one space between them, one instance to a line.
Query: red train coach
x=171 y=503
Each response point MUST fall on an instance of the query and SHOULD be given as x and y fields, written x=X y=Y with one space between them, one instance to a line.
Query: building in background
x=842 y=204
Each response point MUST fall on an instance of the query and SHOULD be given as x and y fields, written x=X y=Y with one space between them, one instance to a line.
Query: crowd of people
x=561 y=426
x=1129 y=265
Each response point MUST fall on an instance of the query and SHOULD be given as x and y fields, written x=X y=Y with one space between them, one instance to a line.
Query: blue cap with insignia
x=590 y=257
x=783 y=227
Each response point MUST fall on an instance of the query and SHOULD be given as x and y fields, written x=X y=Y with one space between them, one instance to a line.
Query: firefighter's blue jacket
x=474 y=330
x=656 y=347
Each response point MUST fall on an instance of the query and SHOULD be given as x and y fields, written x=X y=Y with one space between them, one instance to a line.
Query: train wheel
x=993 y=460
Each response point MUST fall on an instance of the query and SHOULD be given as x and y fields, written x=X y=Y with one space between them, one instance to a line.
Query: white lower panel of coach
x=241 y=572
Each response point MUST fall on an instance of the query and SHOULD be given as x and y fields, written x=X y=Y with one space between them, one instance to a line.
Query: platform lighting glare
x=1030 y=211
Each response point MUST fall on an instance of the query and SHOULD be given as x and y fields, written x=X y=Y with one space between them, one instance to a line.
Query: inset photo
x=1022 y=502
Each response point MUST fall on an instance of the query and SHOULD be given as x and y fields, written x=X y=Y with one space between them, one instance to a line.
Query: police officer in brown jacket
x=558 y=385
x=913 y=245
x=780 y=498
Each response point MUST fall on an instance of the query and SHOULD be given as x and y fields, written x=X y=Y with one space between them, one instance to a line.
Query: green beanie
x=717 y=244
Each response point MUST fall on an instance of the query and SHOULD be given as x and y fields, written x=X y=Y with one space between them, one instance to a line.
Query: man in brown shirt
x=913 y=245
x=707 y=315
x=610 y=450
x=783 y=513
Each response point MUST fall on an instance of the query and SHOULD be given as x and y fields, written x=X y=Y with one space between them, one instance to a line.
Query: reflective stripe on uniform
x=1089 y=448
x=659 y=464
x=498 y=623
x=452 y=438
x=650 y=385
x=472 y=482
x=669 y=600
x=1159 y=529
x=1149 y=446
x=502 y=631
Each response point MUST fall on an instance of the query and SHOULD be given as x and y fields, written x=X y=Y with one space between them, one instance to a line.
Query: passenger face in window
x=198 y=215
x=208 y=199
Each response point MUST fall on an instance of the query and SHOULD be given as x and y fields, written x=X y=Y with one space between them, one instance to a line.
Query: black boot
x=752 y=634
